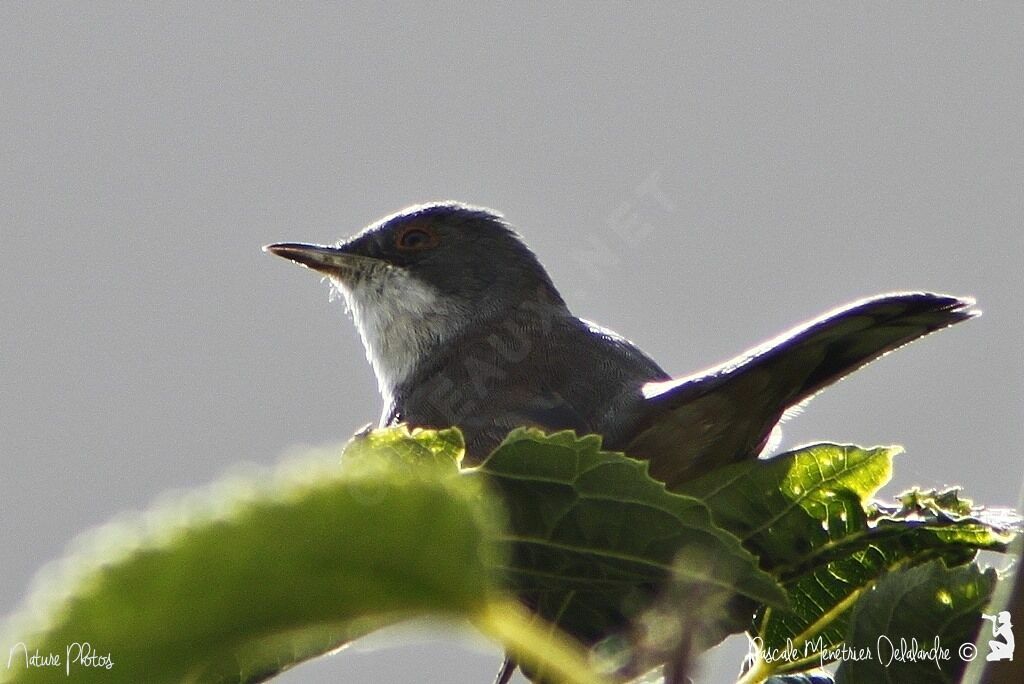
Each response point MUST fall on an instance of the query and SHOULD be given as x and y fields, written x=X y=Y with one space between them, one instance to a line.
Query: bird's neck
x=406 y=324
x=400 y=322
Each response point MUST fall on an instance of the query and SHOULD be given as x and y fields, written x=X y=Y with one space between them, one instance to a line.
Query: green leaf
x=595 y=538
x=918 y=625
x=793 y=505
x=259 y=573
x=808 y=515
x=408 y=451
x=934 y=502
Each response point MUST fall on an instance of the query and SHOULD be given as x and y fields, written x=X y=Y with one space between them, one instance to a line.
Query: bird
x=464 y=327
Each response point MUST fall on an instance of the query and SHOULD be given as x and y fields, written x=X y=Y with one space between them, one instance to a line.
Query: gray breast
x=562 y=373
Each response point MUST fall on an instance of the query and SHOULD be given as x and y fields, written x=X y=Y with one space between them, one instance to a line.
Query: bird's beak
x=331 y=261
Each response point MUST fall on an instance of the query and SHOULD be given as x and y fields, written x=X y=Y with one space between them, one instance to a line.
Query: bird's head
x=415 y=279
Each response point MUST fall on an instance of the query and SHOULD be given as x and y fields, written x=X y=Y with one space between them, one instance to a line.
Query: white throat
x=399 y=318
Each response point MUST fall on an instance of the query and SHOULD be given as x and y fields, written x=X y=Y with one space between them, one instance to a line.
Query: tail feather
x=852 y=336
x=692 y=425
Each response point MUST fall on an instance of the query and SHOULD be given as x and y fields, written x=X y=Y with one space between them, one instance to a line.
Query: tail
x=693 y=425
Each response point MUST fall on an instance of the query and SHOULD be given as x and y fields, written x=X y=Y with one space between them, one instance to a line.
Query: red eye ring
x=416 y=238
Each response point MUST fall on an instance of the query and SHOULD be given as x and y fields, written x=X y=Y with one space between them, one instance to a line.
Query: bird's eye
x=415 y=238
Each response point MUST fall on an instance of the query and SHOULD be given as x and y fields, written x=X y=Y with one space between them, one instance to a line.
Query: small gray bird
x=463 y=326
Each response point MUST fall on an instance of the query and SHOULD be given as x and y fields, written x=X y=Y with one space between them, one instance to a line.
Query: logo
x=1000 y=646
x=77 y=654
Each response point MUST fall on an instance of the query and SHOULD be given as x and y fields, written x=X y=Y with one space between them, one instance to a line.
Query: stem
x=535 y=642
x=761 y=670
x=758 y=672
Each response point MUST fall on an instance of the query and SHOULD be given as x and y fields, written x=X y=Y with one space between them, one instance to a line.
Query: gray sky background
x=803 y=157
